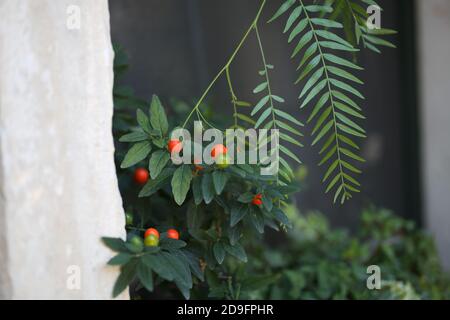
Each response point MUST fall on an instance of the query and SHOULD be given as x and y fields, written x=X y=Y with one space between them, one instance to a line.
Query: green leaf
x=238 y=212
x=158 y=161
x=312 y=81
x=324 y=131
x=320 y=103
x=158 y=118
x=287 y=138
x=137 y=153
x=326 y=23
x=243 y=104
x=333 y=182
x=220 y=179
x=349 y=122
x=316 y=90
x=194 y=264
x=289 y=154
x=331 y=168
x=143 y=121
x=263 y=117
x=298 y=29
x=287 y=116
x=127 y=274
x=197 y=190
x=336 y=46
x=115 y=244
x=344 y=98
x=236 y=251
x=120 y=259
x=287 y=127
x=281 y=216
x=277 y=98
x=208 y=188
x=181 y=269
x=346 y=87
x=258 y=222
x=294 y=16
x=160 y=265
x=245 y=118
x=135 y=136
x=246 y=197
x=194 y=217
x=260 y=87
x=333 y=37
x=337 y=60
x=350 y=154
x=348 y=141
x=321 y=120
x=348 y=110
x=234 y=234
x=171 y=244
x=260 y=104
x=305 y=39
x=351 y=131
x=181 y=182
x=219 y=252
x=283 y=8
x=154 y=185
x=344 y=74
x=144 y=274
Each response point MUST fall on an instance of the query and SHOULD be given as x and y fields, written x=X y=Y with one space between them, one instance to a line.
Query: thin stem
x=226 y=66
x=266 y=73
x=233 y=97
x=269 y=89
x=338 y=150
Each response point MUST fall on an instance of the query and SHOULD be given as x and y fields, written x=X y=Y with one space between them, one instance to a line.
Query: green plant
x=320 y=263
x=223 y=209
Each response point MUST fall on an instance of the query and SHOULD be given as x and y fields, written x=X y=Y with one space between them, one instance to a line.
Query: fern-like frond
x=353 y=15
x=270 y=116
x=329 y=82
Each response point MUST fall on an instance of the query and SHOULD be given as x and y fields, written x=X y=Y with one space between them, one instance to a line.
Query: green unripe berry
x=135 y=244
x=222 y=161
x=151 y=241
x=129 y=219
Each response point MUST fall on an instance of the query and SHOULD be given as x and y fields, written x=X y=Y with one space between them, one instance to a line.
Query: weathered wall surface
x=58 y=188
x=434 y=50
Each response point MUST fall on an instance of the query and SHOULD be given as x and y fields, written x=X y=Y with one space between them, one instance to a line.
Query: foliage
x=320 y=263
x=212 y=205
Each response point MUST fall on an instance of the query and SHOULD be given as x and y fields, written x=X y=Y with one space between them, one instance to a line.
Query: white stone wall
x=434 y=51
x=58 y=188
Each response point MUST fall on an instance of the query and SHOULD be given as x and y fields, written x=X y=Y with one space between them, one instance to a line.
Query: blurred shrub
x=316 y=262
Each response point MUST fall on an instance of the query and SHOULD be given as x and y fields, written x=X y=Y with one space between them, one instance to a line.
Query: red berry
x=218 y=149
x=173 y=234
x=152 y=231
x=257 y=199
x=141 y=176
x=174 y=146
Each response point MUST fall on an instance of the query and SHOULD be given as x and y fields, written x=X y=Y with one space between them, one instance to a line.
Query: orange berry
x=218 y=149
x=150 y=231
x=174 y=145
x=173 y=234
x=141 y=176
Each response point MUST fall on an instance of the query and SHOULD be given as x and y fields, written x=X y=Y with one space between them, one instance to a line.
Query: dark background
x=175 y=48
